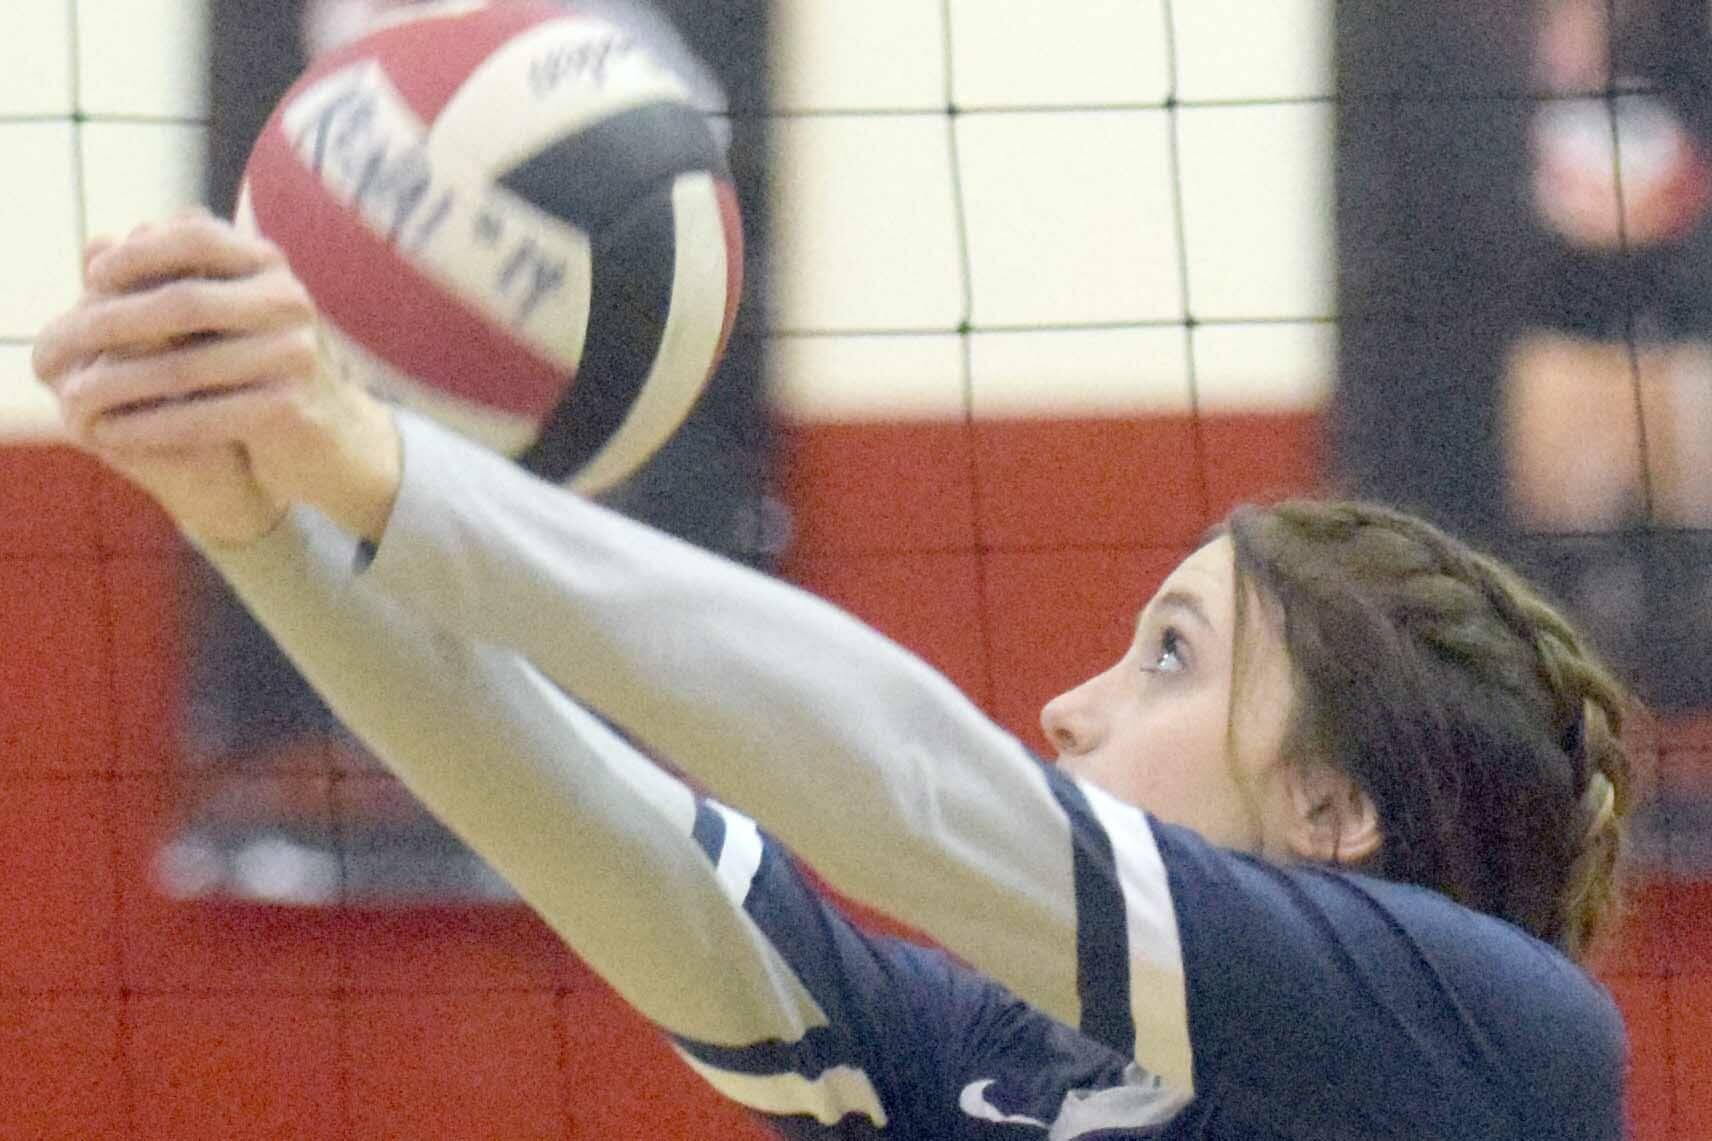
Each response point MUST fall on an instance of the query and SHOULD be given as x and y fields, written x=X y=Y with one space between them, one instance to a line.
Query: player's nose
x=1070 y=721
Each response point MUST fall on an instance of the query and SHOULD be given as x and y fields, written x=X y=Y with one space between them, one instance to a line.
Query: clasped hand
x=193 y=366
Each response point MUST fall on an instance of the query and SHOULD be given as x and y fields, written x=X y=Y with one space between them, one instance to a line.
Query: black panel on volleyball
x=280 y=805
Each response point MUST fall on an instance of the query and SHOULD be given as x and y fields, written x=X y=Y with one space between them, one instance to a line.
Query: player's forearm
x=592 y=836
x=851 y=750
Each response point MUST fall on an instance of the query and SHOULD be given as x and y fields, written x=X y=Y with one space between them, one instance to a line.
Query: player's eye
x=1166 y=655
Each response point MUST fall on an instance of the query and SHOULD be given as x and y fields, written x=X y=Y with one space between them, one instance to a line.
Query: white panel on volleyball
x=547 y=84
x=688 y=342
x=1256 y=210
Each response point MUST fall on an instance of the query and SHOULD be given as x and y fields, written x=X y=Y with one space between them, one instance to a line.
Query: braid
x=1466 y=706
x=1591 y=890
x=1589 y=699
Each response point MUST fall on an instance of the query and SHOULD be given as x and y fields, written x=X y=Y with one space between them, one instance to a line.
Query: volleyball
x=514 y=217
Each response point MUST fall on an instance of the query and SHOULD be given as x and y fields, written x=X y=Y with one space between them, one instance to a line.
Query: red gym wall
x=1012 y=556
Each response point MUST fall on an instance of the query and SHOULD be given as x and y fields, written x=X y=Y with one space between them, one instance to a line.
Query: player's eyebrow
x=1182 y=601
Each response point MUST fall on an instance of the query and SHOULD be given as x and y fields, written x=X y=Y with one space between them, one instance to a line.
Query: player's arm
x=695 y=918
x=198 y=346
x=592 y=835
x=853 y=751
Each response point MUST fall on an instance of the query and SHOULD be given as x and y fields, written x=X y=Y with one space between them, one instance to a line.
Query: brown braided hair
x=1478 y=721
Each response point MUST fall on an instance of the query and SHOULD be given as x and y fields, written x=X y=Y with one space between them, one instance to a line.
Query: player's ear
x=1331 y=820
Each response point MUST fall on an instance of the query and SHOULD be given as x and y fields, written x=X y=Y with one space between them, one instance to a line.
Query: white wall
x=101 y=109
x=1116 y=168
x=1109 y=176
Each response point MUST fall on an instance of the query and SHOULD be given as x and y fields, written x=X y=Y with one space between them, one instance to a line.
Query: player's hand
x=207 y=489
x=194 y=337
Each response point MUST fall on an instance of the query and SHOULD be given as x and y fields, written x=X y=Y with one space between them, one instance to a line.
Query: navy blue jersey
x=1343 y=1006
x=1123 y=978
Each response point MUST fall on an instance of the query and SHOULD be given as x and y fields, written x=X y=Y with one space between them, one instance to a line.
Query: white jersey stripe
x=1159 y=1002
x=834 y=1095
x=740 y=857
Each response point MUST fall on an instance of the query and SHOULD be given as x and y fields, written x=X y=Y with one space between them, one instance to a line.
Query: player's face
x=1158 y=730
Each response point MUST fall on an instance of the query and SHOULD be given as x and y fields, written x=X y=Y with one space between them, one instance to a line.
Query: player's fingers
x=58 y=347
x=147 y=320
x=193 y=245
x=56 y=350
x=118 y=384
x=204 y=420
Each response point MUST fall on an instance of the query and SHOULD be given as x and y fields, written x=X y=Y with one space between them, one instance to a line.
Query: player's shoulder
x=1488 y=955
x=1481 y=956
x=1555 y=1016
x=1425 y=985
x=1548 y=1027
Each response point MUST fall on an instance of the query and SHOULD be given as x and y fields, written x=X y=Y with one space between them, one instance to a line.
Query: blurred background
x=1040 y=288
